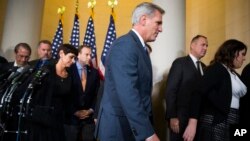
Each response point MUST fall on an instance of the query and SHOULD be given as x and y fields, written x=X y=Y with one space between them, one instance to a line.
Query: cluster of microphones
x=16 y=90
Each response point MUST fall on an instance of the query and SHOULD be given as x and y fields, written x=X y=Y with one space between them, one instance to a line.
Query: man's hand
x=190 y=130
x=82 y=114
x=174 y=125
x=154 y=137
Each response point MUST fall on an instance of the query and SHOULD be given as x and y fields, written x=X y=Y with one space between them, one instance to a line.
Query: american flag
x=74 y=40
x=58 y=40
x=110 y=37
x=89 y=40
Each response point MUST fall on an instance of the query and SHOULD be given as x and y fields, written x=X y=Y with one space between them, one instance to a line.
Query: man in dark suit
x=22 y=55
x=80 y=125
x=44 y=51
x=125 y=112
x=182 y=78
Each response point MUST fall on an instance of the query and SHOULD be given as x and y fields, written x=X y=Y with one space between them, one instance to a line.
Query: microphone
x=15 y=73
x=40 y=73
x=7 y=77
x=26 y=69
x=6 y=74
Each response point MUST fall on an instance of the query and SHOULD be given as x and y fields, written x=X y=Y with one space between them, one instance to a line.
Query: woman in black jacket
x=49 y=101
x=215 y=103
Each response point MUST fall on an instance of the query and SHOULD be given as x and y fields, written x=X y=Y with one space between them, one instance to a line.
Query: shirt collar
x=78 y=65
x=139 y=36
x=194 y=59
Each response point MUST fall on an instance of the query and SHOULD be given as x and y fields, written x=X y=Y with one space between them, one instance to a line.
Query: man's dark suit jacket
x=182 y=79
x=125 y=112
x=83 y=100
x=6 y=67
x=37 y=62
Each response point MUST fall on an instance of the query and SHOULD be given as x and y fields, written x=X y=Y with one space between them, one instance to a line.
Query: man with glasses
x=22 y=55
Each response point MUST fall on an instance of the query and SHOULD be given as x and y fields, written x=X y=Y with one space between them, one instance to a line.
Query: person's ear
x=61 y=53
x=143 y=20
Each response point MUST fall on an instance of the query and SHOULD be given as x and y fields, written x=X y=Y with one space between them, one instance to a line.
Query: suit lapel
x=88 y=78
x=77 y=79
x=142 y=51
x=191 y=63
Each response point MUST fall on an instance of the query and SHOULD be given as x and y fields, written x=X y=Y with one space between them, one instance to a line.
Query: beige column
x=22 y=23
x=169 y=45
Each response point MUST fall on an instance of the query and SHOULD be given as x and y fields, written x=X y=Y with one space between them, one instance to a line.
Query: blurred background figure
x=22 y=55
x=44 y=52
x=80 y=125
x=182 y=79
x=217 y=99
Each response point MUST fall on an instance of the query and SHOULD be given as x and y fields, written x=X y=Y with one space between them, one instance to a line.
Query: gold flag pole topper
x=91 y=4
x=77 y=6
x=112 y=4
x=60 y=11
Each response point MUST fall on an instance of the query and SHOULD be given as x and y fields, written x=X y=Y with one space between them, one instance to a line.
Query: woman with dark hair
x=215 y=102
x=50 y=99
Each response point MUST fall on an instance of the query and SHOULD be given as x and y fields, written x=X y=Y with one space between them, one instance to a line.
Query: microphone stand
x=7 y=99
x=22 y=111
x=29 y=91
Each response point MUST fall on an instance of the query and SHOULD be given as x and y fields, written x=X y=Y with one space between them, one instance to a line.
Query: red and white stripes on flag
x=58 y=40
x=90 y=41
x=110 y=37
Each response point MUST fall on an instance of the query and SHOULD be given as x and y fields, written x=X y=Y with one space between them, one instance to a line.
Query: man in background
x=183 y=74
x=79 y=124
x=22 y=55
x=44 y=52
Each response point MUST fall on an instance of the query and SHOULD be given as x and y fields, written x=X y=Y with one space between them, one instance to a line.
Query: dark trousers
x=87 y=131
x=71 y=132
x=82 y=132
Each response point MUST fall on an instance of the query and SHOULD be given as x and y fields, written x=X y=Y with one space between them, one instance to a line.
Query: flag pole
x=110 y=37
x=77 y=8
x=112 y=4
x=89 y=38
x=58 y=37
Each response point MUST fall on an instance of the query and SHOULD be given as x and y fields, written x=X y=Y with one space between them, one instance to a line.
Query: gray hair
x=145 y=8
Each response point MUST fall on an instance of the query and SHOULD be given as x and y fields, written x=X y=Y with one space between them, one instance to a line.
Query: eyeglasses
x=22 y=56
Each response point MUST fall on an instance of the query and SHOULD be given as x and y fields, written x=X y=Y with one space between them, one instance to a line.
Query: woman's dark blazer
x=213 y=95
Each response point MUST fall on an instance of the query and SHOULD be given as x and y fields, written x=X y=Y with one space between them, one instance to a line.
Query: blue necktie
x=145 y=49
x=42 y=63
